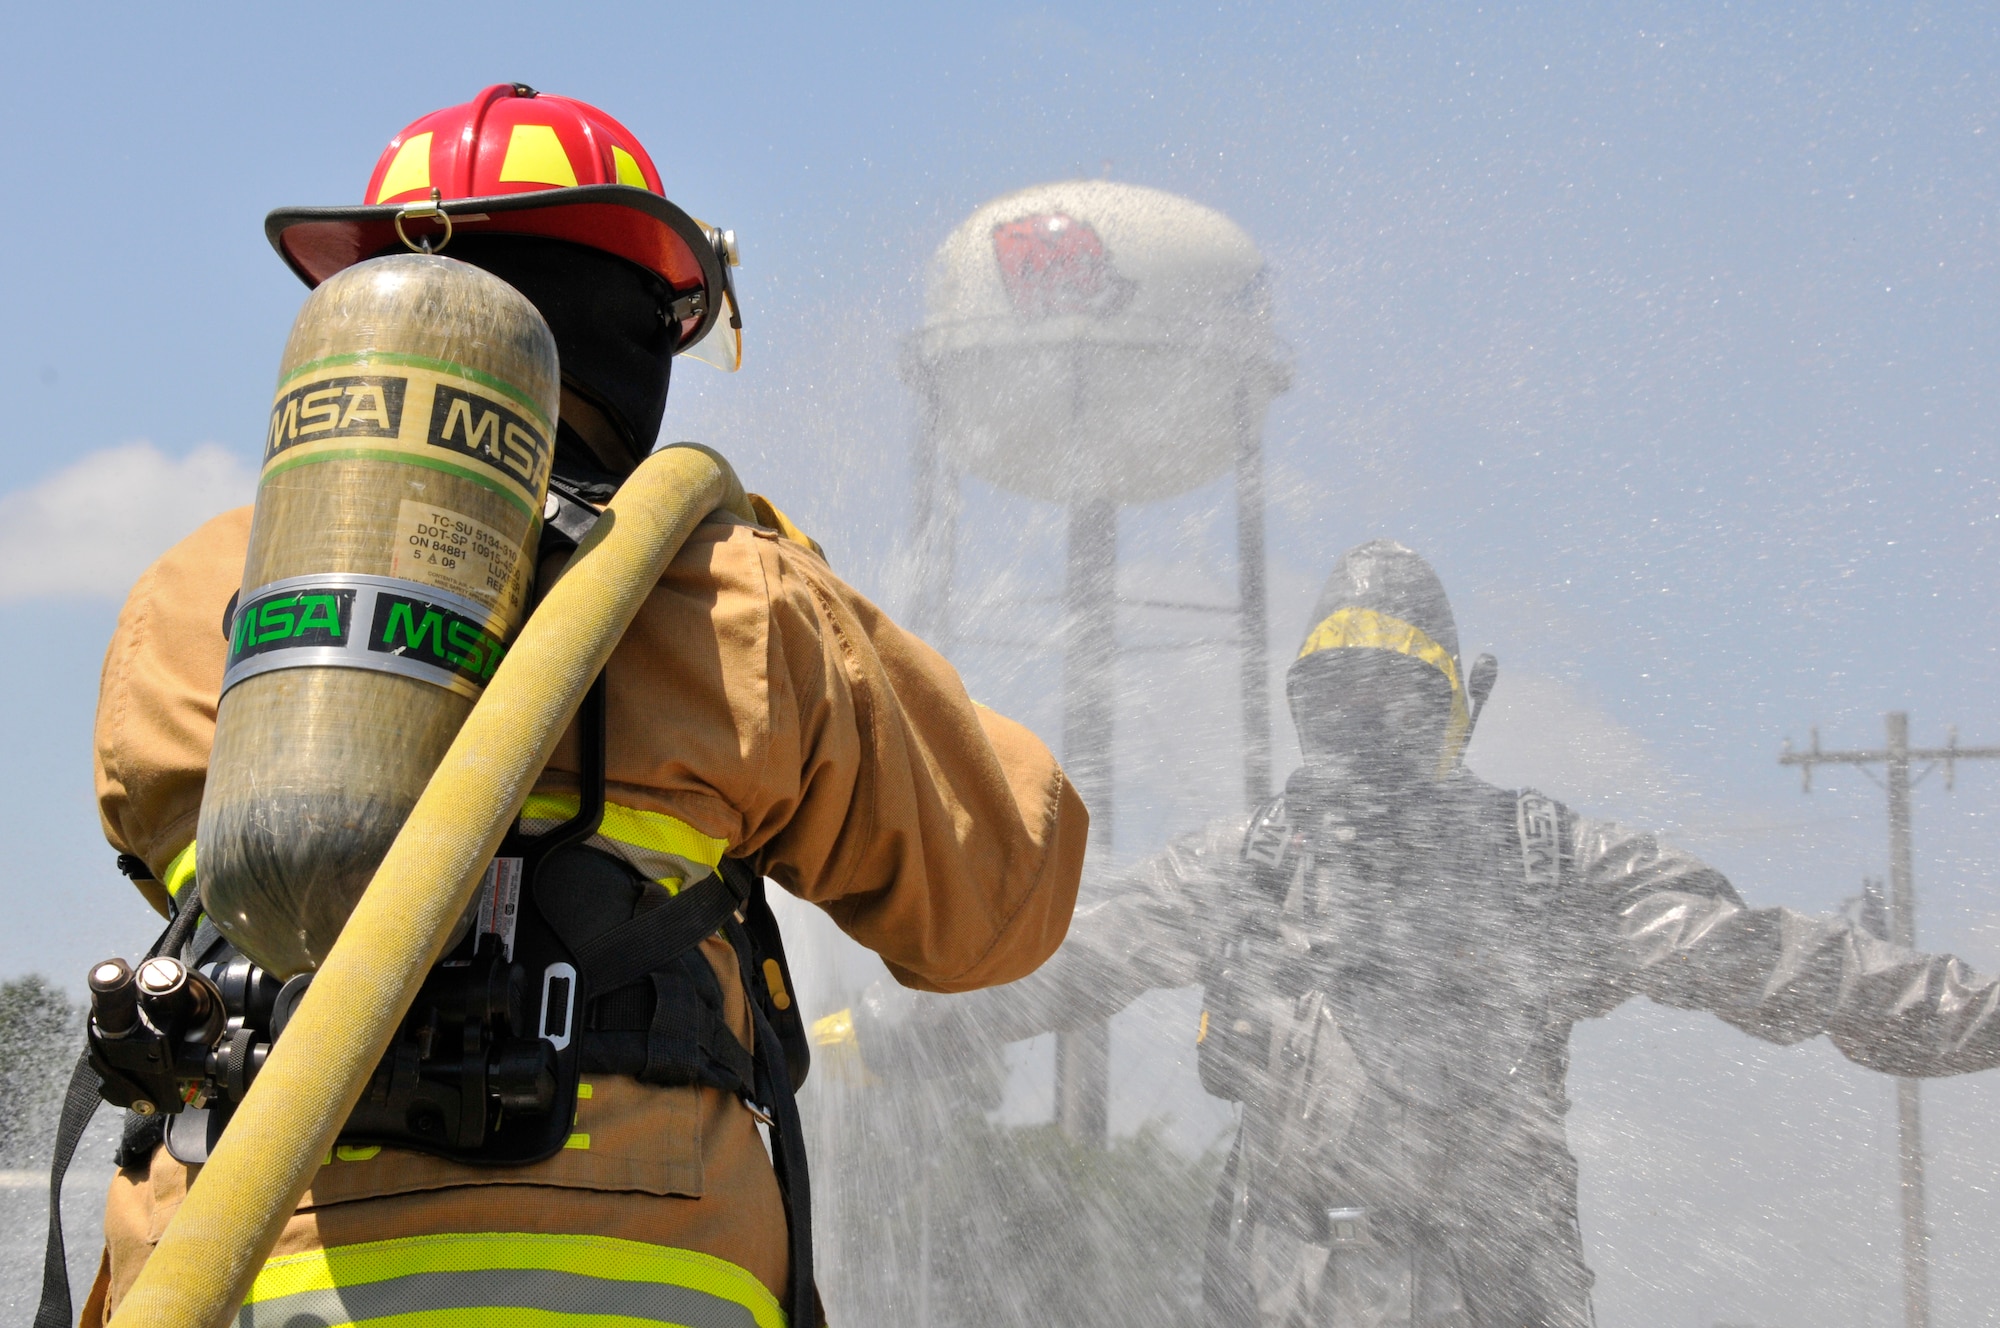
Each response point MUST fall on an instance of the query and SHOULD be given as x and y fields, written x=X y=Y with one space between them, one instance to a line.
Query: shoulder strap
x=627 y=952
x=773 y=987
x=79 y=1106
x=788 y=1138
x=566 y=521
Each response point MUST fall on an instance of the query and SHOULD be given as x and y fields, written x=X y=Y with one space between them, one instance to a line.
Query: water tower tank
x=1094 y=340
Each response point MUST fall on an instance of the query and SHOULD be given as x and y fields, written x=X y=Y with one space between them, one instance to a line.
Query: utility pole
x=1895 y=759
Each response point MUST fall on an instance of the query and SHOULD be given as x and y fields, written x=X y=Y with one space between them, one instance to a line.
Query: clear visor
x=723 y=344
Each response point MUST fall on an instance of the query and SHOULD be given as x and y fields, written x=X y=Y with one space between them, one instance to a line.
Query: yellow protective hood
x=1365 y=629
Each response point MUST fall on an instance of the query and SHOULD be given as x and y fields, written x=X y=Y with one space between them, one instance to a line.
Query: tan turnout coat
x=761 y=701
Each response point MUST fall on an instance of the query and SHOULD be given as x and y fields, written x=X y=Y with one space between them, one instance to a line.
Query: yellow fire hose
x=239 y=1204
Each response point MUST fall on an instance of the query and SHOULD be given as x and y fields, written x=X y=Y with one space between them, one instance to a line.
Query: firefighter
x=761 y=715
x=1393 y=954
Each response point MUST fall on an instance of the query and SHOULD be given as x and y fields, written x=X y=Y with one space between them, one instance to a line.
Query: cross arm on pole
x=1951 y=754
x=1855 y=758
x=1817 y=755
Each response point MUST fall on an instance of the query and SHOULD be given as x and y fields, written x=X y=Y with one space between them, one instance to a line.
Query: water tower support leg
x=1251 y=598
x=1090 y=651
x=934 y=484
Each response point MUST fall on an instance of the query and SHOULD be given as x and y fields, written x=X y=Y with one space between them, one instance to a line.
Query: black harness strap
x=570 y=519
x=632 y=949
x=668 y=1028
x=788 y=1140
x=80 y=1105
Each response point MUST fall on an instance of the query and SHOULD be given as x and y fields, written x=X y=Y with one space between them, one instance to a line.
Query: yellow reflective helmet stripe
x=411 y=168
x=535 y=156
x=444 y=1281
x=1366 y=629
x=628 y=167
x=179 y=872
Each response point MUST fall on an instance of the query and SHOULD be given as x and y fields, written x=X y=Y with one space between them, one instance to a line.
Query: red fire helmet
x=520 y=162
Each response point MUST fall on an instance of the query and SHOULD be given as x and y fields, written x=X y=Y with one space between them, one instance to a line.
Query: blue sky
x=1668 y=332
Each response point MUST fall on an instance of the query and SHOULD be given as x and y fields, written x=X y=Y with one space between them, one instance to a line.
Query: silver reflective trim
x=355 y=654
x=325 y=657
x=497 y=1290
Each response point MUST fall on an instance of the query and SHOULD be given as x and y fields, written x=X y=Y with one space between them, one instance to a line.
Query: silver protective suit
x=1389 y=993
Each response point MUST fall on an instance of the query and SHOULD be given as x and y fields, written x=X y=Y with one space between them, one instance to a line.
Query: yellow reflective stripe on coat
x=663 y=848
x=1366 y=629
x=179 y=872
x=479 y=1278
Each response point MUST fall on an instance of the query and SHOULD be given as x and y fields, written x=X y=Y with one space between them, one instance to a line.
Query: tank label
x=418 y=411
x=291 y=620
x=452 y=551
x=366 y=622
x=474 y=425
x=348 y=406
x=422 y=630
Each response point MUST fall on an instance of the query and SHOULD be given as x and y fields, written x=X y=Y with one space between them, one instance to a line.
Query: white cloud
x=88 y=530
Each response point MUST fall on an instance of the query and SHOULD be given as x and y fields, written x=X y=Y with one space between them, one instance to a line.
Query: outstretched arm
x=1148 y=926
x=1685 y=938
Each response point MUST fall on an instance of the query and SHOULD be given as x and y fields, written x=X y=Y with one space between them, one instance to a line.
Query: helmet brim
x=635 y=224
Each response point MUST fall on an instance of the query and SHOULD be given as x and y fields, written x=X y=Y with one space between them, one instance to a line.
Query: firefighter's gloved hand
x=924 y=1041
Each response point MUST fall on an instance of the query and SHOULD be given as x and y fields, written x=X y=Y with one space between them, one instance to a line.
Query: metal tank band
x=343 y=620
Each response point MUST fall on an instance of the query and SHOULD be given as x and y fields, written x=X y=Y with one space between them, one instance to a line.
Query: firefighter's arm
x=156 y=700
x=1685 y=938
x=1150 y=926
x=790 y=718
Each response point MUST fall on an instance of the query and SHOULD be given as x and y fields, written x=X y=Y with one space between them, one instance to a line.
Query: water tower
x=1095 y=344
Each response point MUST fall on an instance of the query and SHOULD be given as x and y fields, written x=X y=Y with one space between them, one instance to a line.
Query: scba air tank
x=390 y=565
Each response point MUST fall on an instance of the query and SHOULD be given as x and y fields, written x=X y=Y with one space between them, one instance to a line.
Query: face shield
x=722 y=344
x=1379 y=697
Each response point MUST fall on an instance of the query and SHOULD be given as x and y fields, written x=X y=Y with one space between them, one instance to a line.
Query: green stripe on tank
x=407 y=459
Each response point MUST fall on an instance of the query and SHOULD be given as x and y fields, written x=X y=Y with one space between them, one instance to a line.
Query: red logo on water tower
x=1054 y=264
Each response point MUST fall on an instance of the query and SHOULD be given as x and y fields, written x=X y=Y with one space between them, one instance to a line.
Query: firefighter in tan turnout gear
x=760 y=719
x=1393 y=954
